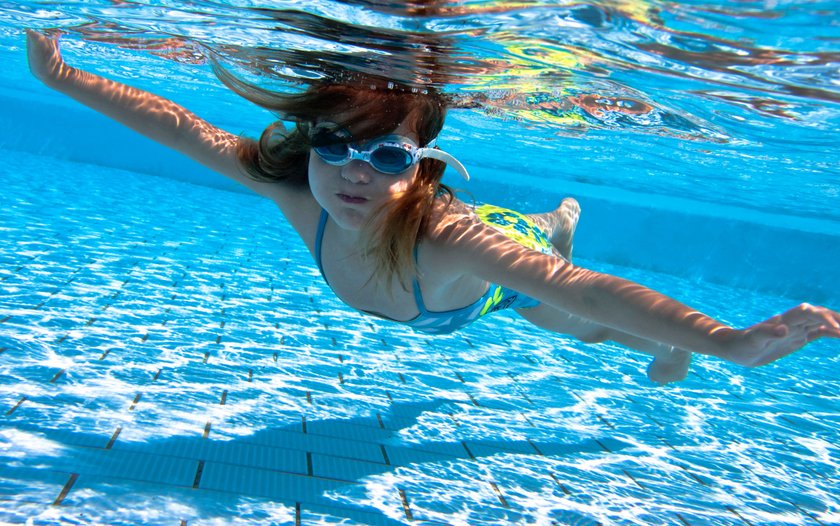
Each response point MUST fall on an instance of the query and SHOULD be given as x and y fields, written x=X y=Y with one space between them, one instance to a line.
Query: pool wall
x=792 y=256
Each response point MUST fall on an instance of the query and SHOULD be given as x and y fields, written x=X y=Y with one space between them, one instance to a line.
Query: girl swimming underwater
x=359 y=179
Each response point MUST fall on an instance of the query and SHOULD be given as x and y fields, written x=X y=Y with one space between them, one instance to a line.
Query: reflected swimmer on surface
x=359 y=179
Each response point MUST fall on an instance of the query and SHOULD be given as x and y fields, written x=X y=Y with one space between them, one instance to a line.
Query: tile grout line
x=66 y=489
x=406 y=508
x=17 y=405
x=114 y=438
x=499 y=495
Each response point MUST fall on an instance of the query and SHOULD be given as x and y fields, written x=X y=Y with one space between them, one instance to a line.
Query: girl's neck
x=348 y=238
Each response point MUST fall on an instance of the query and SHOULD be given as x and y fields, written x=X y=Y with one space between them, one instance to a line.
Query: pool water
x=169 y=353
x=189 y=364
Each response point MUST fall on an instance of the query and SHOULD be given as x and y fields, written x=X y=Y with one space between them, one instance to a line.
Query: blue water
x=169 y=353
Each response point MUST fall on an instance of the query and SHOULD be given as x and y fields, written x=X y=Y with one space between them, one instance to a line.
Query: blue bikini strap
x=319 y=238
x=418 y=297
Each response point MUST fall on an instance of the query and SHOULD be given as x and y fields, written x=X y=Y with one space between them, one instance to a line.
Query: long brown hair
x=373 y=108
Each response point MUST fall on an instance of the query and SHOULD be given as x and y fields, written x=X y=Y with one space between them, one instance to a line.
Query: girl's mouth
x=352 y=199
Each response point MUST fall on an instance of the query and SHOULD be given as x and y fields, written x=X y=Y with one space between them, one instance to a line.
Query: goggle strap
x=440 y=155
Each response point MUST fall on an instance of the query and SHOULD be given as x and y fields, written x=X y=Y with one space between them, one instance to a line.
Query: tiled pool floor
x=169 y=355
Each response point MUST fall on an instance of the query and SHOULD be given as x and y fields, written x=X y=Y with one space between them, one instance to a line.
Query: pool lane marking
x=198 y=472
x=528 y=420
x=406 y=508
x=605 y=421
x=499 y=495
x=631 y=477
x=12 y=410
x=385 y=455
x=539 y=452
x=667 y=443
x=114 y=438
x=605 y=448
x=562 y=486
x=735 y=512
x=695 y=477
x=655 y=421
x=806 y=513
x=66 y=489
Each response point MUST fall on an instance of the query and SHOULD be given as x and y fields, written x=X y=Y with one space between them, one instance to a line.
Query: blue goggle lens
x=334 y=148
x=333 y=153
x=390 y=159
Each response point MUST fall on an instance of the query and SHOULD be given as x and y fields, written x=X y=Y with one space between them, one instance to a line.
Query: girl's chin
x=350 y=218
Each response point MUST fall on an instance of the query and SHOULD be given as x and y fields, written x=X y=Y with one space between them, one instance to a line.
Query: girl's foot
x=671 y=368
x=565 y=222
x=560 y=225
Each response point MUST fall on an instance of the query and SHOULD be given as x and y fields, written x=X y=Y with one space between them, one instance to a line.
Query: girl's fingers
x=823 y=332
x=804 y=314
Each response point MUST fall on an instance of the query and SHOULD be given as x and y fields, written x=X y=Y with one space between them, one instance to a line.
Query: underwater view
x=171 y=353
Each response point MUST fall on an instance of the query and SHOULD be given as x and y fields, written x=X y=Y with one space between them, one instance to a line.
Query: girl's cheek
x=404 y=183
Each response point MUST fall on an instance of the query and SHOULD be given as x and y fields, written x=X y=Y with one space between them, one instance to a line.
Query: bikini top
x=440 y=322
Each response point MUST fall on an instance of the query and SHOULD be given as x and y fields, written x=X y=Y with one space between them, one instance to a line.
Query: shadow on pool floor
x=296 y=466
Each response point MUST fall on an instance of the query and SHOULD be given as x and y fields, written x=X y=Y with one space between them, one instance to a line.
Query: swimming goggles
x=391 y=154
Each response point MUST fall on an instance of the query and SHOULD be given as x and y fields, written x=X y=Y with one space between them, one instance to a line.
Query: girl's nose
x=356 y=172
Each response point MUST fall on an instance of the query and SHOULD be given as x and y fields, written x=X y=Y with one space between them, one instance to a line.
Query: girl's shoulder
x=446 y=218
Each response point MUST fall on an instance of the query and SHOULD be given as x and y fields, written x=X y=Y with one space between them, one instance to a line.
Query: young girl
x=359 y=179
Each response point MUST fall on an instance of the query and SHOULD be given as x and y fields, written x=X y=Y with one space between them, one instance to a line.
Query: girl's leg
x=560 y=225
x=669 y=364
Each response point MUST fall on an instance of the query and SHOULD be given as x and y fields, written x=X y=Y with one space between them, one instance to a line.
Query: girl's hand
x=781 y=335
x=45 y=60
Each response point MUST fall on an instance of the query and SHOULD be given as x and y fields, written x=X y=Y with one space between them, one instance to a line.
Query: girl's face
x=350 y=193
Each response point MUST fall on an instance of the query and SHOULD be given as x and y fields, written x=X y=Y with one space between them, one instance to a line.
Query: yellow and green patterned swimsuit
x=512 y=224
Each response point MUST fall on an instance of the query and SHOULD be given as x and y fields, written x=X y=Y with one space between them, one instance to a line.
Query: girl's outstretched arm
x=468 y=246
x=155 y=117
